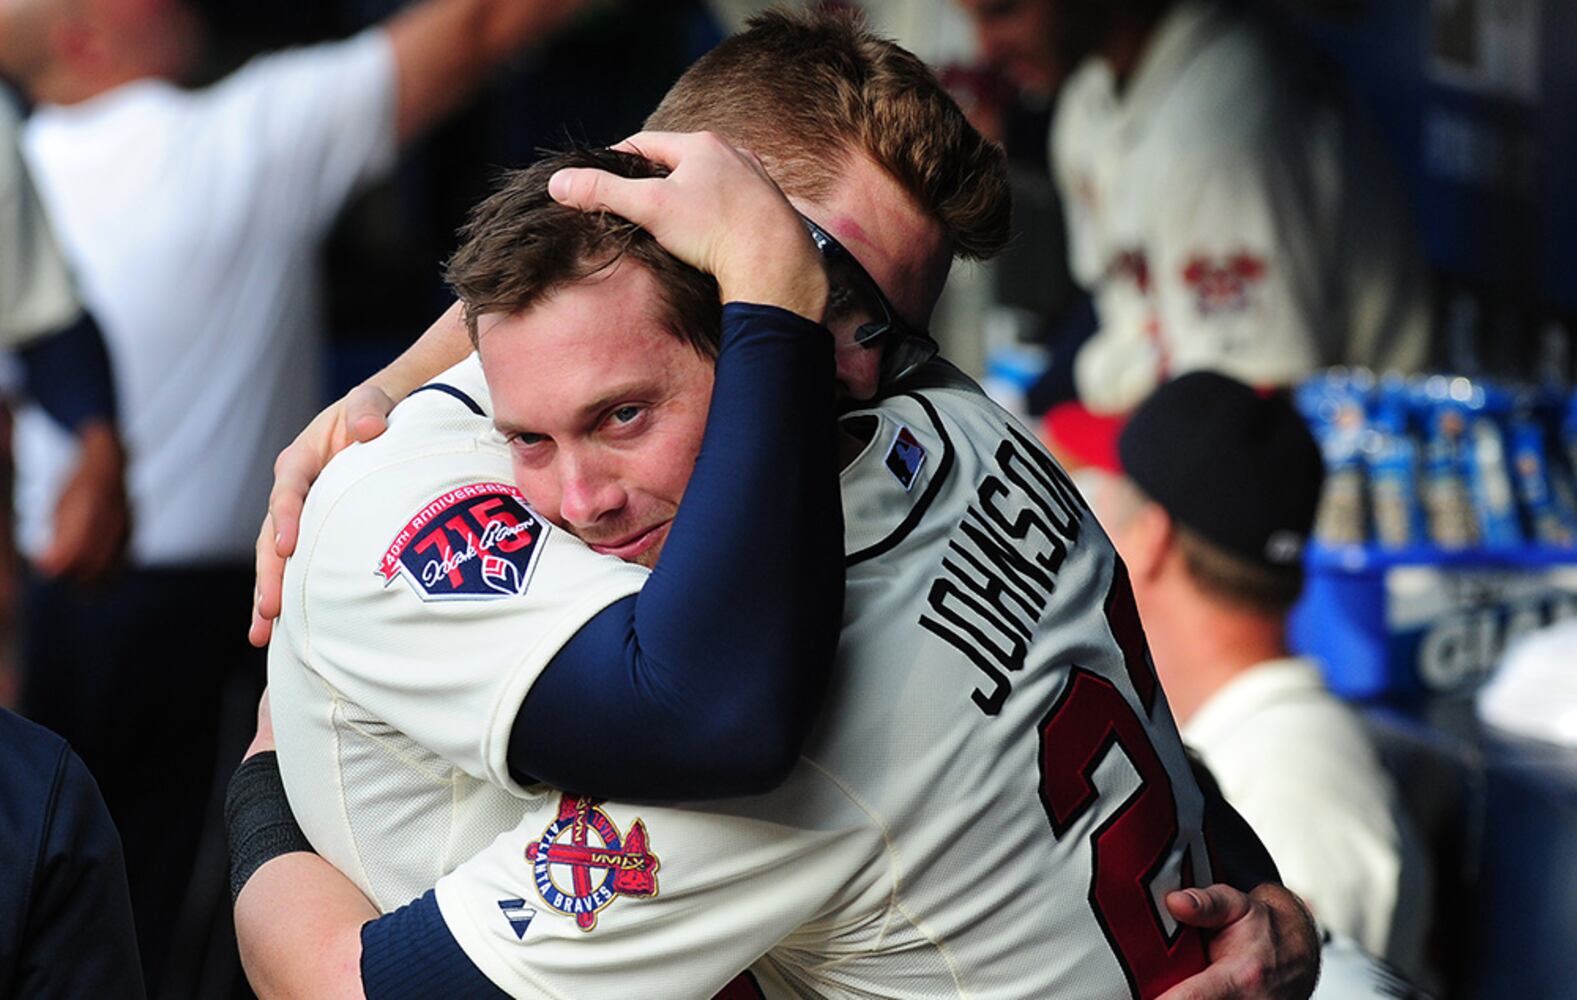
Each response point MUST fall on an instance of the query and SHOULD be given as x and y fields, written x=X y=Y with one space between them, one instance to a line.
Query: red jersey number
x=1090 y=718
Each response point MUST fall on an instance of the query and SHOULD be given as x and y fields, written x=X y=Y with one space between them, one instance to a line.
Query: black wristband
x=258 y=820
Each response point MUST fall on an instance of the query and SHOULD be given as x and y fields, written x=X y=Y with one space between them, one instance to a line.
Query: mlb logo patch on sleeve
x=904 y=458
x=477 y=542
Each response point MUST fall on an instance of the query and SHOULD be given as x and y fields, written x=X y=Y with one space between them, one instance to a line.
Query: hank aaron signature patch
x=904 y=458
x=476 y=542
x=582 y=863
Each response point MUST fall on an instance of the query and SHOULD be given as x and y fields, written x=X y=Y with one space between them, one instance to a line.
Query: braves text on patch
x=582 y=863
x=474 y=542
x=904 y=457
x=518 y=914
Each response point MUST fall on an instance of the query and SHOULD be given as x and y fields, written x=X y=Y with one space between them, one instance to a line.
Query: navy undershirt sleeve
x=411 y=954
x=68 y=373
x=705 y=684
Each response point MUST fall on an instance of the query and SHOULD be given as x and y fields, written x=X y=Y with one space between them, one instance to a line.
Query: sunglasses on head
x=856 y=301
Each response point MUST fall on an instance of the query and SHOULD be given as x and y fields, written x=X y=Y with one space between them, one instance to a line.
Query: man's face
x=1037 y=43
x=605 y=409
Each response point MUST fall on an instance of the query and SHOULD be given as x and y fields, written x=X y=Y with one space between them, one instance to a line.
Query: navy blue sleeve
x=79 y=939
x=68 y=372
x=705 y=684
x=410 y=954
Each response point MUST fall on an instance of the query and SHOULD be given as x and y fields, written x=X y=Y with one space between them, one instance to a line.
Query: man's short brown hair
x=801 y=90
x=519 y=245
x=1249 y=586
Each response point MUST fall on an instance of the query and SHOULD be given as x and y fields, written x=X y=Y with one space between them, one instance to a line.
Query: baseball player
x=1224 y=209
x=912 y=232
x=883 y=775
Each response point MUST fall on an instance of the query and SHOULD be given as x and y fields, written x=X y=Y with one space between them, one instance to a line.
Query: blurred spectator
x=1225 y=208
x=65 y=917
x=193 y=219
x=1220 y=493
x=66 y=371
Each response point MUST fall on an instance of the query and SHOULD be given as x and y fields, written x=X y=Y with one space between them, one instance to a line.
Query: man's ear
x=1147 y=541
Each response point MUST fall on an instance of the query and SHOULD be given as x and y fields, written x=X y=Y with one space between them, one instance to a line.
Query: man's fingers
x=270 y=570
x=593 y=190
x=667 y=148
x=294 y=472
x=367 y=412
x=1215 y=983
x=260 y=631
x=1210 y=907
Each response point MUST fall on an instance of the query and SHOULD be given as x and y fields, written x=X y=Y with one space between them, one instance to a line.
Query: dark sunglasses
x=904 y=348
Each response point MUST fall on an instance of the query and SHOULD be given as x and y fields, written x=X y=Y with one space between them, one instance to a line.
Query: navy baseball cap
x=1237 y=467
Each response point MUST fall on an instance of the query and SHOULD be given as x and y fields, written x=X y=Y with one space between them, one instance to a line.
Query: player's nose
x=590 y=491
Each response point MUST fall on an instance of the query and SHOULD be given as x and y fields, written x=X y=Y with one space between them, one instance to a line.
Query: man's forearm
x=445 y=50
x=444 y=344
x=298 y=922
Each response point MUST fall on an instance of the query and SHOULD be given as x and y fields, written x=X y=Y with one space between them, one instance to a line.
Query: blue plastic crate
x=1408 y=622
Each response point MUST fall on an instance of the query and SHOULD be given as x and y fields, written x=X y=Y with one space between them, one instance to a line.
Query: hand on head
x=360 y=416
x=718 y=211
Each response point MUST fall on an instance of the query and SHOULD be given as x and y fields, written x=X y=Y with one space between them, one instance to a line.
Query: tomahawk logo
x=582 y=862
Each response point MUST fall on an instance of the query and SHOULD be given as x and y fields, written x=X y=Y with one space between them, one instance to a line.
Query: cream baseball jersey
x=1227 y=217
x=993 y=803
x=424 y=599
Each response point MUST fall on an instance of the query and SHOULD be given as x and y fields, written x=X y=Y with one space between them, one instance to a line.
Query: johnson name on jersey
x=993 y=803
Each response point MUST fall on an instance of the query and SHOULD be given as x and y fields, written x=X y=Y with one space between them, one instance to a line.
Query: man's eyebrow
x=508 y=428
x=596 y=406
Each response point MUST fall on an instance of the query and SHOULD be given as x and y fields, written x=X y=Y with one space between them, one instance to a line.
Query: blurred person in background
x=62 y=876
x=1219 y=494
x=1226 y=207
x=66 y=373
x=193 y=219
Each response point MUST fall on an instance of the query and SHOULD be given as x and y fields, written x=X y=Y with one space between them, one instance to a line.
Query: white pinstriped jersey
x=423 y=601
x=992 y=805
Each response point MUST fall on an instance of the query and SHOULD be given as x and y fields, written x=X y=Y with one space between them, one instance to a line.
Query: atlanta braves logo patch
x=582 y=864
x=904 y=458
x=476 y=542
x=1224 y=285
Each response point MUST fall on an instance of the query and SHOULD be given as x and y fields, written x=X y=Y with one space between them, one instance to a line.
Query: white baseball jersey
x=36 y=294
x=993 y=803
x=1223 y=218
x=423 y=601
x=1298 y=765
x=193 y=220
